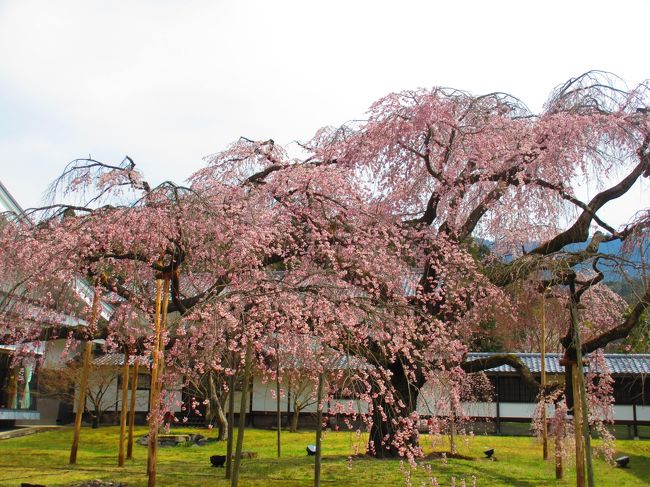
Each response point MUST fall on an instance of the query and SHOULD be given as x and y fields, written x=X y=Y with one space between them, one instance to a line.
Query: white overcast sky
x=168 y=82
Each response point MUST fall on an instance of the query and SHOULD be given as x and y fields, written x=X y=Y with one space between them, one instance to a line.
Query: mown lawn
x=43 y=458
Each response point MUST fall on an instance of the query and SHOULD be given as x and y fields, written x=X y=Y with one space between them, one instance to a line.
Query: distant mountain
x=613 y=270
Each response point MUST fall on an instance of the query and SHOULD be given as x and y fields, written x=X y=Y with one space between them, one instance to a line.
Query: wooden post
x=577 y=427
x=154 y=403
x=580 y=407
x=543 y=380
x=452 y=428
x=251 y=417
x=319 y=431
x=231 y=421
x=234 y=476
x=125 y=407
x=559 y=438
x=154 y=365
x=134 y=389
x=278 y=408
x=498 y=419
x=81 y=402
x=584 y=409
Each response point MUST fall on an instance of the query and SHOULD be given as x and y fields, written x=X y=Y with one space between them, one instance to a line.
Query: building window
x=144 y=382
x=514 y=389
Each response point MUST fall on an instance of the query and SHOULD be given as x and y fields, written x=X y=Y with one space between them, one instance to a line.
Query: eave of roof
x=617 y=363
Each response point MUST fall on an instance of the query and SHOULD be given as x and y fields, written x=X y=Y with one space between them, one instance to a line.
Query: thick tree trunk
x=383 y=430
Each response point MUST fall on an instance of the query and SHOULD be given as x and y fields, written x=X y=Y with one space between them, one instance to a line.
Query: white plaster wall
x=52 y=357
x=112 y=400
x=643 y=413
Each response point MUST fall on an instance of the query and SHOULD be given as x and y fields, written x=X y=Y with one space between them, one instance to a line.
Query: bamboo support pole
x=234 y=475
x=134 y=389
x=125 y=398
x=81 y=402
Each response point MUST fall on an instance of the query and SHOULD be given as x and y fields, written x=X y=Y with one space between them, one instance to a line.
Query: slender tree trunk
x=319 y=431
x=295 y=417
x=134 y=390
x=125 y=407
x=231 y=424
x=234 y=480
x=216 y=410
x=452 y=432
x=81 y=403
x=222 y=423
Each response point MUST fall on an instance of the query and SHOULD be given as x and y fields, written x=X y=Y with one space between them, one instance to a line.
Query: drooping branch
x=622 y=330
x=579 y=231
x=477 y=213
x=493 y=361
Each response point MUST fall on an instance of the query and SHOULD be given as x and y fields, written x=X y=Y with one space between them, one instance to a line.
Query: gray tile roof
x=116 y=360
x=618 y=363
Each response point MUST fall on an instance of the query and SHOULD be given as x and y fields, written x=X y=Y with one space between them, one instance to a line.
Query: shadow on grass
x=638 y=467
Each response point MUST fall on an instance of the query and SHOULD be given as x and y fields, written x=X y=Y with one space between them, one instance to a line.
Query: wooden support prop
x=277 y=399
x=319 y=430
x=234 y=475
x=577 y=426
x=134 y=389
x=125 y=407
x=559 y=438
x=543 y=381
x=580 y=407
x=231 y=421
x=81 y=402
x=586 y=433
x=161 y=295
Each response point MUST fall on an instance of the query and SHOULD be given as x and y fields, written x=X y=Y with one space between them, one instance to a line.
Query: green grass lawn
x=43 y=458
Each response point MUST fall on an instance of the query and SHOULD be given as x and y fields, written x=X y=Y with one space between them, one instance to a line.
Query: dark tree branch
x=579 y=231
x=622 y=330
x=494 y=361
